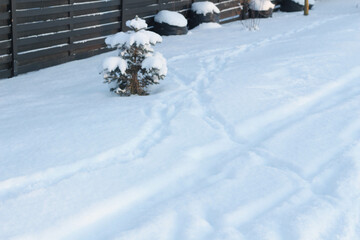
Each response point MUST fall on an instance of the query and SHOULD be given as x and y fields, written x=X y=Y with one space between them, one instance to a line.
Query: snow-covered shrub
x=261 y=5
x=170 y=23
x=261 y=8
x=203 y=12
x=253 y=10
x=204 y=7
x=250 y=23
x=136 y=66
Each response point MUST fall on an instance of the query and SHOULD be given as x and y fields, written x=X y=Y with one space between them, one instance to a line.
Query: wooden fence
x=35 y=34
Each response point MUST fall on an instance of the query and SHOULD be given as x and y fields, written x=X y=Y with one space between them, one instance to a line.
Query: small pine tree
x=137 y=66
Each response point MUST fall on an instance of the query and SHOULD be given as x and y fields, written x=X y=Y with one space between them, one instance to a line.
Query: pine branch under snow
x=156 y=61
x=141 y=37
x=112 y=63
x=136 y=24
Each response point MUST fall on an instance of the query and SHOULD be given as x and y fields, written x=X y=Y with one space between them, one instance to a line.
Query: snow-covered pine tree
x=137 y=66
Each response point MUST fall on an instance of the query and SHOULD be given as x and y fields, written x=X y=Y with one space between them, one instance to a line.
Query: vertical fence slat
x=123 y=20
x=46 y=33
x=14 y=38
x=71 y=27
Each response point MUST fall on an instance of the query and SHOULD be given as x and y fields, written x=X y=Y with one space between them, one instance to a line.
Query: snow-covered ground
x=252 y=135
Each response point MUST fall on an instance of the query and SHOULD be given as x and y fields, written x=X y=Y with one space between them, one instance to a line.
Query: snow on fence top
x=204 y=8
x=261 y=5
x=301 y=2
x=171 y=18
x=136 y=24
x=129 y=38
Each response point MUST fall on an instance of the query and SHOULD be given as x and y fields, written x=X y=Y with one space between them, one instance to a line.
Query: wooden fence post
x=71 y=28
x=160 y=7
x=123 y=6
x=14 y=39
x=306 y=8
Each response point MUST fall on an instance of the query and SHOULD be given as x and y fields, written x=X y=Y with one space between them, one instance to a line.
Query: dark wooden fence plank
x=14 y=38
x=66 y=8
x=5 y=40
x=77 y=21
x=45 y=33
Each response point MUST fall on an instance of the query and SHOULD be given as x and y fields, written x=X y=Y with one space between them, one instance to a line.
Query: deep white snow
x=204 y=8
x=157 y=61
x=170 y=17
x=111 y=63
x=129 y=38
x=261 y=5
x=136 y=24
x=253 y=135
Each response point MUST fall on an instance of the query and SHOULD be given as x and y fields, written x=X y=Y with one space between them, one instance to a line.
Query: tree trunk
x=135 y=87
x=134 y=84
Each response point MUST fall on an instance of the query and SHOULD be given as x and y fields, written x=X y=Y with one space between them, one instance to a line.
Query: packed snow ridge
x=204 y=8
x=171 y=18
x=209 y=25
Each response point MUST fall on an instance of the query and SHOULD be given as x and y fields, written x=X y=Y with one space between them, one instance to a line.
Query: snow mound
x=137 y=24
x=204 y=8
x=261 y=5
x=111 y=63
x=171 y=18
x=156 y=61
x=209 y=25
x=141 y=37
x=301 y=2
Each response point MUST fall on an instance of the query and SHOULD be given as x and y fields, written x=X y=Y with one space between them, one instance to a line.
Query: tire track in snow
x=132 y=197
x=231 y=52
x=210 y=115
x=297 y=111
x=265 y=126
x=253 y=210
x=151 y=132
x=268 y=123
x=341 y=200
x=220 y=58
x=246 y=213
x=223 y=55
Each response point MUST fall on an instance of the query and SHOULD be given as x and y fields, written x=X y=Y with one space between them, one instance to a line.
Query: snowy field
x=251 y=136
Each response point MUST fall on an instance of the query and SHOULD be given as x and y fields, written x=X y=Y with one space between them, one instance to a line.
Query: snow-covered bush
x=261 y=5
x=136 y=66
x=261 y=8
x=204 y=8
x=253 y=10
x=203 y=12
x=170 y=23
